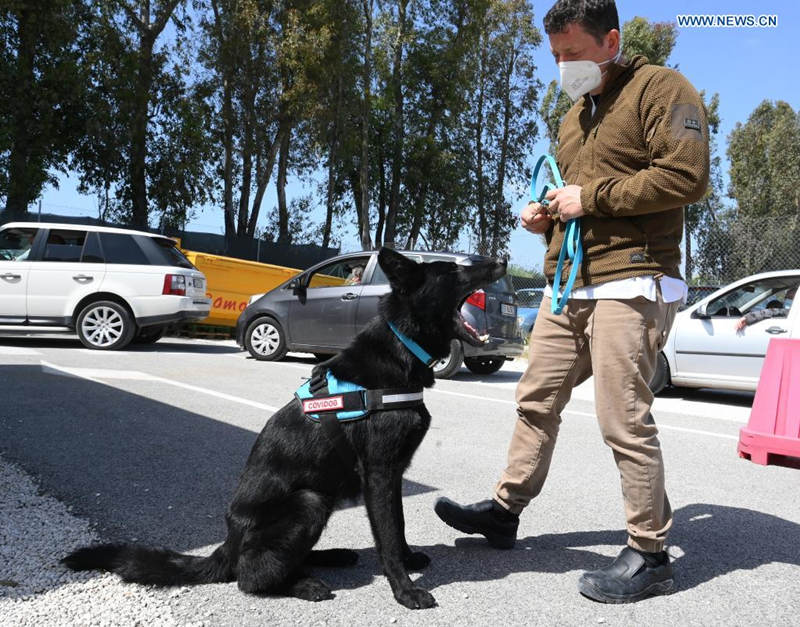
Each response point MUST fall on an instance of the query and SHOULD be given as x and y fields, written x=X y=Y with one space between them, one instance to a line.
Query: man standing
x=633 y=150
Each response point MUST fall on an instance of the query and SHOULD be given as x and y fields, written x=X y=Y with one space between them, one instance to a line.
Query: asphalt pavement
x=147 y=444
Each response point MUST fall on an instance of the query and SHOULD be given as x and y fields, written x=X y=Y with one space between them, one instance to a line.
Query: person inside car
x=774 y=309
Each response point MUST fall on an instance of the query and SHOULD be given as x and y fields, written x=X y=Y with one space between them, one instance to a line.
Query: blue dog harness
x=350 y=401
x=330 y=402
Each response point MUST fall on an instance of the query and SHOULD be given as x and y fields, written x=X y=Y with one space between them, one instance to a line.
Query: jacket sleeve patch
x=686 y=122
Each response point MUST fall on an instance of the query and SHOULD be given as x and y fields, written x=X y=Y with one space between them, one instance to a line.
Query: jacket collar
x=618 y=74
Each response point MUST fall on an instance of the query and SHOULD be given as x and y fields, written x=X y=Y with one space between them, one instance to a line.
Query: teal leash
x=571 y=246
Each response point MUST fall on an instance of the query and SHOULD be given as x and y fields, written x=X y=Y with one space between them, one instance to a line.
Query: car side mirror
x=701 y=312
x=297 y=287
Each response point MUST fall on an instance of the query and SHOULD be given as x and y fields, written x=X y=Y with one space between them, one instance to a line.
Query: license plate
x=508 y=310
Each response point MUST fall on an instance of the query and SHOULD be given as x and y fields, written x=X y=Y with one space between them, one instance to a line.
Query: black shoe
x=633 y=576
x=488 y=518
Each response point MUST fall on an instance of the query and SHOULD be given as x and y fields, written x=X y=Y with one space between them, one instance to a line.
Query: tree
x=764 y=156
x=504 y=114
x=145 y=134
x=41 y=79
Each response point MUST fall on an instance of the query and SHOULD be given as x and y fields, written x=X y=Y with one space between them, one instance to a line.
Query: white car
x=705 y=349
x=112 y=286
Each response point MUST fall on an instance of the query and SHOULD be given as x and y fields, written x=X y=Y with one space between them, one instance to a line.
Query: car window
x=15 y=244
x=64 y=245
x=162 y=251
x=338 y=273
x=773 y=292
x=92 y=253
x=122 y=248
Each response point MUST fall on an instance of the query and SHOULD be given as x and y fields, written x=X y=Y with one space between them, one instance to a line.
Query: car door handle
x=10 y=276
x=776 y=330
x=350 y=296
x=83 y=278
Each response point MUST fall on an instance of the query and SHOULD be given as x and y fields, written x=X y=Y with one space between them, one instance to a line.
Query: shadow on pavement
x=707 y=395
x=714 y=540
x=134 y=467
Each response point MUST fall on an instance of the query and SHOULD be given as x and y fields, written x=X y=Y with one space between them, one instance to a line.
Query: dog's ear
x=403 y=273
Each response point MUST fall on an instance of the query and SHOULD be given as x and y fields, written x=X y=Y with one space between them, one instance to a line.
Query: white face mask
x=581 y=77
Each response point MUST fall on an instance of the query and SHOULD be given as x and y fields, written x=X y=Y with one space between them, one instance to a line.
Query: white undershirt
x=672 y=289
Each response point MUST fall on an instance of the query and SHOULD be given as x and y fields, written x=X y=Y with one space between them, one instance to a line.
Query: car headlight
x=254 y=298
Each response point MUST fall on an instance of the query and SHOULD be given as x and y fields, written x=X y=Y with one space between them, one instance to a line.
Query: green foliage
x=764 y=155
x=655 y=40
x=41 y=81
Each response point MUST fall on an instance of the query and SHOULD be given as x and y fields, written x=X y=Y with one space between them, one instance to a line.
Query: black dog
x=295 y=474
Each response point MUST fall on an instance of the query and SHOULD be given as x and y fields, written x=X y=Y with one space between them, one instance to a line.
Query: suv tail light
x=478 y=299
x=174 y=284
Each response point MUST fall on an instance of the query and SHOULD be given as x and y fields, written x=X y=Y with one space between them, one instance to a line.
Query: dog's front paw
x=311 y=589
x=415 y=598
x=416 y=560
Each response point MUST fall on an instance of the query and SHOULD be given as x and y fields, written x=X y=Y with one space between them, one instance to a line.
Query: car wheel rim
x=102 y=326
x=265 y=339
x=442 y=363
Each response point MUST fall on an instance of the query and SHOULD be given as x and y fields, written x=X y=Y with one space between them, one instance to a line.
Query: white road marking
x=99 y=375
x=661 y=425
x=17 y=350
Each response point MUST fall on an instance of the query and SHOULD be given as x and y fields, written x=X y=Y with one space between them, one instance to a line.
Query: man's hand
x=565 y=202
x=534 y=218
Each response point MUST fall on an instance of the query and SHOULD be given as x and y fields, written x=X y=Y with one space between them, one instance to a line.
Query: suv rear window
x=162 y=251
x=121 y=248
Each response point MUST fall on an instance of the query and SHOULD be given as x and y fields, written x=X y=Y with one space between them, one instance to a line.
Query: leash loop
x=571 y=247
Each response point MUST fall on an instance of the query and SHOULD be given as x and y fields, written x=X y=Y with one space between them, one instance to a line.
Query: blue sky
x=744 y=65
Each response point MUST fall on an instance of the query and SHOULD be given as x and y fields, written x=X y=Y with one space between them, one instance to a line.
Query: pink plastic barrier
x=772 y=435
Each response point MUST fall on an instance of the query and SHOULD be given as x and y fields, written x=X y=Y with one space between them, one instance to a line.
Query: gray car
x=320 y=310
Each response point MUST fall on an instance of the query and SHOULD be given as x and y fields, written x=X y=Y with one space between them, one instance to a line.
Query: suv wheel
x=447 y=367
x=105 y=325
x=484 y=365
x=660 y=378
x=265 y=340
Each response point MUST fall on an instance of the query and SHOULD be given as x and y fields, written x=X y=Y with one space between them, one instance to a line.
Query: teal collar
x=415 y=348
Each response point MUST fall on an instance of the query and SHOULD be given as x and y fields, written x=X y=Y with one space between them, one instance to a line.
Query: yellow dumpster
x=231 y=283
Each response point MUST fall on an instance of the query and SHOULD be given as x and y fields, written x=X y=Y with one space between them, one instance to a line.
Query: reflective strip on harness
x=402 y=398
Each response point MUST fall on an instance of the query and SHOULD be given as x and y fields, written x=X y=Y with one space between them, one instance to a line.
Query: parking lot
x=147 y=444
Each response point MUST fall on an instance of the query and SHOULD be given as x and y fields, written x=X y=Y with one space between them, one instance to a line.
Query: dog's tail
x=160 y=567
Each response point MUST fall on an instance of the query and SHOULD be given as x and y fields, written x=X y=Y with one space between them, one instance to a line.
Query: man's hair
x=597 y=17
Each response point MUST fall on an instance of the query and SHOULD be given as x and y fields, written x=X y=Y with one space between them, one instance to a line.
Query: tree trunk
x=398 y=127
x=499 y=200
x=283 y=210
x=689 y=270
x=482 y=243
x=144 y=83
x=363 y=217
x=263 y=174
x=18 y=194
x=227 y=175
x=381 y=196
x=247 y=164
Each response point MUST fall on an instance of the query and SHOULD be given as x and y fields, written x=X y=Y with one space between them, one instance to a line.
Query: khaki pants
x=619 y=341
